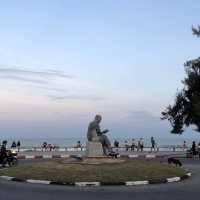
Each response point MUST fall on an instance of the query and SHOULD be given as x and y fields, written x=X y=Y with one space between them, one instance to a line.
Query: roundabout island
x=94 y=171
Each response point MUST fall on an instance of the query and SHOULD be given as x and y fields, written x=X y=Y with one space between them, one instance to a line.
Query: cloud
x=76 y=97
x=52 y=89
x=44 y=74
x=23 y=79
x=54 y=84
x=142 y=115
x=31 y=76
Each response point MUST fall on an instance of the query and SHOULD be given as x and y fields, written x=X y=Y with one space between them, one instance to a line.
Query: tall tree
x=186 y=108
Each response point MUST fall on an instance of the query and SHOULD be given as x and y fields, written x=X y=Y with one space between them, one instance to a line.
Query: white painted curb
x=81 y=184
x=174 y=179
x=150 y=156
x=29 y=157
x=189 y=174
x=8 y=178
x=65 y=156
x=133 y=156
x=38 y=181
x=47 y=156
x=134 y=183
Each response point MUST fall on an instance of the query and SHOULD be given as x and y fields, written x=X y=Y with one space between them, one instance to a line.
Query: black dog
x=113 y=154
x=174 y=161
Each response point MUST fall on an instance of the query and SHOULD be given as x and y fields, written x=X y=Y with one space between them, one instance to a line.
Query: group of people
x=136 y=145
x=48 y=147
x=14 y=146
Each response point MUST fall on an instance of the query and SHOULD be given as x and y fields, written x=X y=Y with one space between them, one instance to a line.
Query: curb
x=132 y=156
x=96 y=184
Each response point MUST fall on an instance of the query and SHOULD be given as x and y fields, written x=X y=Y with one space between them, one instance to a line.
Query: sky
x=62 y=62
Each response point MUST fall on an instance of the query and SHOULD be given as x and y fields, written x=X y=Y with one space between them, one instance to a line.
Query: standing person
x=44 y=146
x=13 y=146
x=184 y=145
x=138 y=145
x=126 y=145
x=198 y=148
x=141 y=144
x=193 y=148
x=153 y=144
x=116 y=144
x=3 y=152
x=78 y=144
x=133 y=145
x=18 y=145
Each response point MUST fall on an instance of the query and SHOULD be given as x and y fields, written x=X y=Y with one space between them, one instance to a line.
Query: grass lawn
x=56 y=170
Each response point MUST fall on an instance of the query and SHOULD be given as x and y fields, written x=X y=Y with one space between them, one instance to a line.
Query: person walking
x=193 y=148
x=141 y=144
x=126 y=145
x=138 y=145
x=184 y=146
x=18 y=145
x=133 y=145
x=198 y=149
x=153 y=144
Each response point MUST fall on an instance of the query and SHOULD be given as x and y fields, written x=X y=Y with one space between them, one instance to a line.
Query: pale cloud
x=19 y=71
x=76 y=97
x=54 y=85
x=23 y=79
x=142 y=115
x=32 y=76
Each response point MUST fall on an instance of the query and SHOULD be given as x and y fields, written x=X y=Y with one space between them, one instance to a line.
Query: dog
x=174 y=161
x=113 y=154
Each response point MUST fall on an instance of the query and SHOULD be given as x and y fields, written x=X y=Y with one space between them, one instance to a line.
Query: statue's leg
x=105 y=144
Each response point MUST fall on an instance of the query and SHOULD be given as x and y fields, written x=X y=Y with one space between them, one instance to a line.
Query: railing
x=121 y=148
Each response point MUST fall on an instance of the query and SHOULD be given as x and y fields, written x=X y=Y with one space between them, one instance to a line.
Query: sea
x=71 y=142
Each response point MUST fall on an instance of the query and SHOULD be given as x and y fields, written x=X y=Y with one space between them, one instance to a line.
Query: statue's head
x=98 y=118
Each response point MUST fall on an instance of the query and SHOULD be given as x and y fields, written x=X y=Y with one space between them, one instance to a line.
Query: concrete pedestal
x=94 y=149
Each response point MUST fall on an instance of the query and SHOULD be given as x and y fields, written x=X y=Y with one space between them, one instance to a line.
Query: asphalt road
x=185 y=190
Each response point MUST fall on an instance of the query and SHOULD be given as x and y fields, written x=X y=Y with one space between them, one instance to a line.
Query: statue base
x=94 y=149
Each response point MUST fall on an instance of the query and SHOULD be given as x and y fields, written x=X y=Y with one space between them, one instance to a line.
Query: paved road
x=185 y=190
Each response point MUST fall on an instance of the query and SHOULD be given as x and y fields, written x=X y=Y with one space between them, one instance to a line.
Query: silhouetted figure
x=44 y=146
x=13 y=145
x=133 y=145
x=3 y=152
x=126 y=145
x=116 y=144
x=78 y=144
x=198 y=149
x=153 y=144
x=18 y=145
x=193 y=148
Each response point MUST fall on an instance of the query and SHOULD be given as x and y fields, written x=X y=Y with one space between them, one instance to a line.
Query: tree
x=186 y=108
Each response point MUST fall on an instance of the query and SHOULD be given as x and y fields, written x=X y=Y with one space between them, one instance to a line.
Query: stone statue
x=95 y=134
